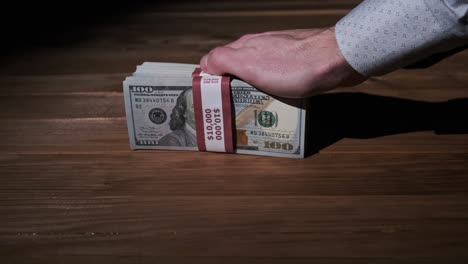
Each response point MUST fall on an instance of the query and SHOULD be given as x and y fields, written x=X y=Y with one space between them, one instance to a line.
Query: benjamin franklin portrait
x=182 y=123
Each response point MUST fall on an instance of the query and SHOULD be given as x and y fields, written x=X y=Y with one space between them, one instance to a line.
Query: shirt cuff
x=380 y=36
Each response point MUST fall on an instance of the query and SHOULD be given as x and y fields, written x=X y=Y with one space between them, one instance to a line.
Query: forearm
x=378 y=36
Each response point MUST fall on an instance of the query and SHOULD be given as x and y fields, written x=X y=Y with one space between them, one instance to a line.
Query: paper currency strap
x=212 y=105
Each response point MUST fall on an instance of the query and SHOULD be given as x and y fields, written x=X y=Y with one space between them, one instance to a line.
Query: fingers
x=239 y=43
x=297 y=33
x=224 y=60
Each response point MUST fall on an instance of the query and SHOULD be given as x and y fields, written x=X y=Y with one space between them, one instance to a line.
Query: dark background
x=50 y=23
x=387 y=182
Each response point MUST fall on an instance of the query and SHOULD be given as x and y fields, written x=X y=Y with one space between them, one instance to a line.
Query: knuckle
x=217 y=55
x=246 y=36
x=216 y=60
x=216 y=52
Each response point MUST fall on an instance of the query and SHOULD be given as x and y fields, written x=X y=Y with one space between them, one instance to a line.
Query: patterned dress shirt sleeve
x=380 y=36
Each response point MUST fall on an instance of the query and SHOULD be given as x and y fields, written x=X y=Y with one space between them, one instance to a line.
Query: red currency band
x=212 y=100
x=197 y=105
x=196 y=72
x=227 y=115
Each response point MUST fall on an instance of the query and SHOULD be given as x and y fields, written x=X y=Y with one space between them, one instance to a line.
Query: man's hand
x=291 y=63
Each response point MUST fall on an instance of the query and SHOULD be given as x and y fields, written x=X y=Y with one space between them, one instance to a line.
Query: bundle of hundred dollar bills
x=160 y=114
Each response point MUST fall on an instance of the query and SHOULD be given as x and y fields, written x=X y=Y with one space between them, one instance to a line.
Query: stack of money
x=160 y=114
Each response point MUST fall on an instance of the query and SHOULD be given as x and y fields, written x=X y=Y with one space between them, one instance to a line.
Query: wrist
x=350 y=75
x=336 y=70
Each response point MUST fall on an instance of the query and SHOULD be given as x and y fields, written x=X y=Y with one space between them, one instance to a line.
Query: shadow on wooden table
x=335 y=116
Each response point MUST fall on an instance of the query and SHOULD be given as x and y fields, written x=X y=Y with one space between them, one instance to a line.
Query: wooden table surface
x=388 y=182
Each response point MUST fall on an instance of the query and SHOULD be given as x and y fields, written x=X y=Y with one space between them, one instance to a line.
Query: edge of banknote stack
x=160 y=114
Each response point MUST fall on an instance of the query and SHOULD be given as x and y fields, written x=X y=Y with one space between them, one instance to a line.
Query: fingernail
x=203 y=62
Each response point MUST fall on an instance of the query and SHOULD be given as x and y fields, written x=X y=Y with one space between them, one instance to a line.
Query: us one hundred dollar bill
x=160 y=114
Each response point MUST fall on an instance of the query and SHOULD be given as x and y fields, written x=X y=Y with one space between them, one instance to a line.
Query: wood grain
x=387 y=182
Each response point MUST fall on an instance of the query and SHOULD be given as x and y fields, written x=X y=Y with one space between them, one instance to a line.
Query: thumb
x=223 y=60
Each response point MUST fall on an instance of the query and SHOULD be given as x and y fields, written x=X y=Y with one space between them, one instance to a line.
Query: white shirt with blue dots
x=380 y=36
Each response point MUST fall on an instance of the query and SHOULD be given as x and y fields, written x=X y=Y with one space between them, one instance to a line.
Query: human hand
x=291 y=63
